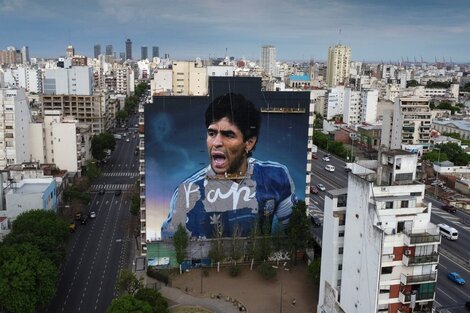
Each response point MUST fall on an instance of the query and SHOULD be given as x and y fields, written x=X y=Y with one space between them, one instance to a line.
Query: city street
x=98 y=250
x=455 y=255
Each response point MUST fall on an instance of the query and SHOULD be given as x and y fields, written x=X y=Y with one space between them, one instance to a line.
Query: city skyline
x=299 y=30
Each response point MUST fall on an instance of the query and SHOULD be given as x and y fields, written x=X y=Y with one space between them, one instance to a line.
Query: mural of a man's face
x=226 y=147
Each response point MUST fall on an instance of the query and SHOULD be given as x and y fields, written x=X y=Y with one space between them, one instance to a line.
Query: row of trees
x=30 y=258
x=326 y=143
x=133 y=297
x=132 y=102
x=448 y=151
x=259 y=246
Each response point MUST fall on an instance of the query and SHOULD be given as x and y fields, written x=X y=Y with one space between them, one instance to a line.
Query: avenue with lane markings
x=98 y=250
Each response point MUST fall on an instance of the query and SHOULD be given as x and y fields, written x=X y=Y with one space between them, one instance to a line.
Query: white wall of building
x=352 y=107
x=369 y=102
x=162 y=81
x=335 y=102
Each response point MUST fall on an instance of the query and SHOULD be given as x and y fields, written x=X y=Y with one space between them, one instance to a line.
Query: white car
x=326 y=158
x=321 y=187
x=330 y=168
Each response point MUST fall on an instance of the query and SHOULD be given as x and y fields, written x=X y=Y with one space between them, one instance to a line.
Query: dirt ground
x=257 y=294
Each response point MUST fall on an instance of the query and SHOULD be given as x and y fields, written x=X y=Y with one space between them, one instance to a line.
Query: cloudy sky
x=299 y=29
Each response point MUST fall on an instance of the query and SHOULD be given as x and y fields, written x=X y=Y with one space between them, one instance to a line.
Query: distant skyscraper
x=128 y=49
x=144 y=52
x=155 y=52
x=25 y=54
x=70 y=52
x=122 y=55
x=97 y=50
x=268 y=59
x=109 y=50
x=339 y=58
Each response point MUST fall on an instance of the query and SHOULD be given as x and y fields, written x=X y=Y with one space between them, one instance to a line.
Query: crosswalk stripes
x=126 y=174
x=450 y=217
x=122 y=187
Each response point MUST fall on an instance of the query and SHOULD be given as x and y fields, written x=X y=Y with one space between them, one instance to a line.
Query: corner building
x=380 y=250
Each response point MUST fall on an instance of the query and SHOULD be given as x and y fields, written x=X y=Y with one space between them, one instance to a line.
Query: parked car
x=456 y=278
x=313 y=190
x=72 y=227
x=316 y=221
x=78 y=216
x=314 y=156
x=449 y=208
x=321 y=187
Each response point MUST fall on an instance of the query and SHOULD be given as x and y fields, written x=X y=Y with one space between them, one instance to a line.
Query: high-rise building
x=155 y=52
x=97 y=50
x=70 y=51
x=109 y=49
x=339 y=57
x=189 y=78
x=268 y=59
x=144 y=52
x=408 y=124
x=25 y=54
x=128 y=49
x=379 y=247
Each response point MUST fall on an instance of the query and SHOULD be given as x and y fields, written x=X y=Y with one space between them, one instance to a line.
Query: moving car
x=313 y=189
x=326 y=158
x=456 y=278
x=321 y=187
x=92 y=214
x=449 y=208
x=314 y=156
x=330 y=168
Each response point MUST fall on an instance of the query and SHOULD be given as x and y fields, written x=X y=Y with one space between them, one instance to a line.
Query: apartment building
x=408 y=124
x=334 y=102
x=77 y=80
x=90 y=109
x=268 y=59
x=339 y=59
x=379 y=248
x=15 y=117
x=189 y=78
x=24 y=77
x=62 y=141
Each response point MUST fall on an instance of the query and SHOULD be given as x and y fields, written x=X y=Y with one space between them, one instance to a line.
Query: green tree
x=129 y=304
x=412 y=83
x=100 y=143
x=180 y=242
x=433 y=84
x=466 y=87
x=448 y=106
x=128 y=283
x=135 y=204
x=216 y=253
x=122 y=115
x=318 y=122
x=154 y=298
x=266 y=271
x=92 y=171
x=313 y=270
x=27 y=279
x=141 y=88
x=43 y=229
x=297 y=230
x=264 y=246
x=236 y=248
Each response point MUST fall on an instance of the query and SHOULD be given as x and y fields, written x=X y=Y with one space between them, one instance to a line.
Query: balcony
x=420 y=259
x=405 y=297
x=418 y=279
x=422 y=238
x=420 y=310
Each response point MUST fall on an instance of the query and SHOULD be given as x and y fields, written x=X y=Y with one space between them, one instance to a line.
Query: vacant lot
x=257 y=294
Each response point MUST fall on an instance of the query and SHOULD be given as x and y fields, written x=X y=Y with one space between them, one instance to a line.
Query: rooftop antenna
x=339 y=35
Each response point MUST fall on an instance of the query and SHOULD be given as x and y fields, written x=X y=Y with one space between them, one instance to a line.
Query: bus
x=448 y=232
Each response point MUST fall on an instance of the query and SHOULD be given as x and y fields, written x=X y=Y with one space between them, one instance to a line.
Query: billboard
x=182 y=187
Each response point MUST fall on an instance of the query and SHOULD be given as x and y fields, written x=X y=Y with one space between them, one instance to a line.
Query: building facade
x=128 y=49
x=339 y=59
x=268 y=59
x=380 y=250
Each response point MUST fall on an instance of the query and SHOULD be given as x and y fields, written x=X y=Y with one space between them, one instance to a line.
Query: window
x=341 y=233
x=404 y=204
x=389 y=205
x=340 y=267
x=387 y=270
x=340 y=250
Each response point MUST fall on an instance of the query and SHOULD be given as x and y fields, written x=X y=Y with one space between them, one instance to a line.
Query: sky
x=301 y=30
